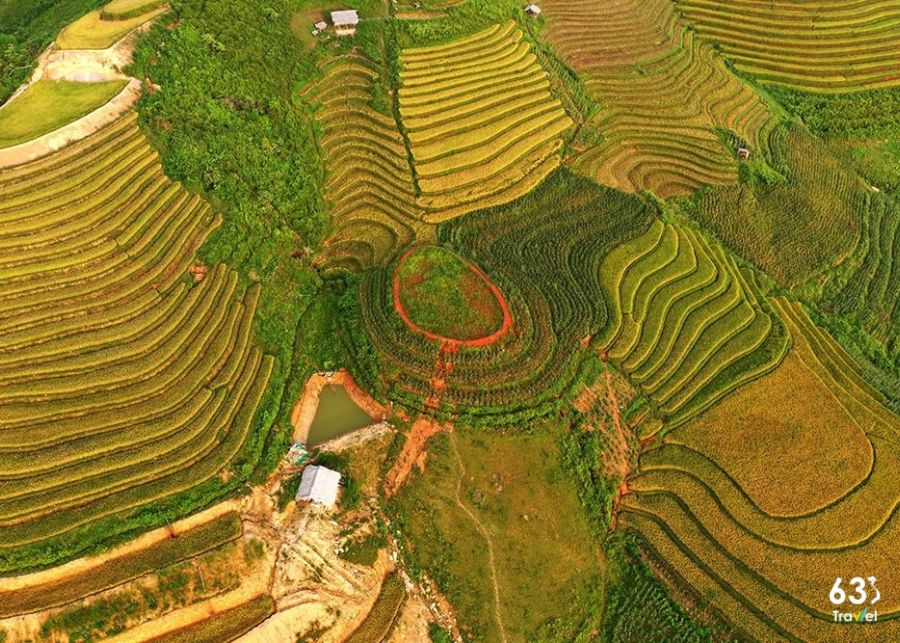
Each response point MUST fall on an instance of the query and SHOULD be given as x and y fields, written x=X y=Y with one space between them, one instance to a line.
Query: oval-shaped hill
x=442 y=296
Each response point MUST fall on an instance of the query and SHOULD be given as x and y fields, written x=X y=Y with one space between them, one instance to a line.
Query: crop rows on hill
x=120 y=383
x=482 y=124
x=664 y=96
x=104 y=27
x=795 y=222
x=869 y=291
x=121 y=569
x=820 y=45
x=547 y=267
x=718 y=499
x=687 y=324
x=370 y=183
x=227 y=625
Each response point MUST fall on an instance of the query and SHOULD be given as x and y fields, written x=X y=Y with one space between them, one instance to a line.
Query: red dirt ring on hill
x=449 y=341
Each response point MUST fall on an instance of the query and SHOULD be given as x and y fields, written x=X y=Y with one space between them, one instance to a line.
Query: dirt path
x=620 y=450
x=483 y=531
x=412 y=453
x=149 y=539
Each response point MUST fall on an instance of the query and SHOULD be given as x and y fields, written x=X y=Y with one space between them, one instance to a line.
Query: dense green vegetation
x=793 y=223
x=26 y=28
x=861 y=115
x=638 y=605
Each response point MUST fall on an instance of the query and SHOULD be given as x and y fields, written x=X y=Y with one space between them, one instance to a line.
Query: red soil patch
x=413 y=449
x=505 y=326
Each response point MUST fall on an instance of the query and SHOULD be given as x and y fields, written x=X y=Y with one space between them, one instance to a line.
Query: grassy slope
x=48 y=105
x=530 y=508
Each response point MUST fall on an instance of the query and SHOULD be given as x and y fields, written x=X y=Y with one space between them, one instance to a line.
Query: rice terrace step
x=600 y=296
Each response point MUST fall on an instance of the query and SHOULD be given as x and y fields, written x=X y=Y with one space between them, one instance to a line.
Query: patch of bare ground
x=412 y=623
x=412 y=454
x=604 y=402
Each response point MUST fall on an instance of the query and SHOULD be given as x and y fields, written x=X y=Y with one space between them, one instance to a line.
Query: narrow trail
x=483 y=531
x=621 y=465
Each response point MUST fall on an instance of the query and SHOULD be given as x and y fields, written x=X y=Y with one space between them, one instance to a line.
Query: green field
x=444 y=296
x=529 y=508
x=48 y=105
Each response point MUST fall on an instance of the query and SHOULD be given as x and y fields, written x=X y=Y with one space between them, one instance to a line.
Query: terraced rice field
x=482 y=124
x=121 y=381
x=664 y=94
x=106 y=26
x=761 y=519
x=50 y=104
x=796 y=227
x=868 y=291
x=370 y=184
x=33 y=597
x=686 y=323
x=819 y=45
x=547 y=270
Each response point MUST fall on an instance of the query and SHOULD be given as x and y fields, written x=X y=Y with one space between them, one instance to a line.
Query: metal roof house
x=319 y=485
x=345 y=22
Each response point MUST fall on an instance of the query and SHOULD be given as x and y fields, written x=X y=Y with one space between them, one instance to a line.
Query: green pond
x=336 y=415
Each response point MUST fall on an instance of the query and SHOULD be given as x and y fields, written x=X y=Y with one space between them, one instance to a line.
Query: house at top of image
x=345 y=22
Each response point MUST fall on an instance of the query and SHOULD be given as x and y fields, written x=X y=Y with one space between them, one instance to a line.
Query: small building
x=297 y=454
x=319 y=485
x=533 y=10
x=321 y=25
x=345 y=22
x=743 y=153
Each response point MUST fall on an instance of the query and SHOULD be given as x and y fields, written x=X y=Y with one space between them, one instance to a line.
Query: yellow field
x=819 y=45
x=122 y=382
x=760 y=503
x=483 y=126
x=662 y=93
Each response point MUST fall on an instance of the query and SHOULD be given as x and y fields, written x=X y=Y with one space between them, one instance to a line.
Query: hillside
x=450 y=320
